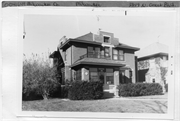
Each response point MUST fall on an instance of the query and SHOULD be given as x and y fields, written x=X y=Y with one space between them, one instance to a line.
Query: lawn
x=122 y=105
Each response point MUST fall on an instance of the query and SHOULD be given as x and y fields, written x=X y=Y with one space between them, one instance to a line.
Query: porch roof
x=97 y=61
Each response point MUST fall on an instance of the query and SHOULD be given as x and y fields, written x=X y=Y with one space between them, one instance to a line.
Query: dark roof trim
x=152 y=55
x=96 y=63
x=55 y=54
x=69 y=41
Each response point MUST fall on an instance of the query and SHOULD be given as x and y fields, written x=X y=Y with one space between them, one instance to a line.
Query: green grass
x=104 y=105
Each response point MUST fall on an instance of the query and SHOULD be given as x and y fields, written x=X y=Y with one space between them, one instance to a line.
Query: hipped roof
x=88 y=39
x=153 y=49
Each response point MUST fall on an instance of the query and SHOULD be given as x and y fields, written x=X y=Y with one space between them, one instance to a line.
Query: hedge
x=140 y=89
x=84 y=90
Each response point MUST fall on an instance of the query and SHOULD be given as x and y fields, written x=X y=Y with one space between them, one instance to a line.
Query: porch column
x=85 y=74
x=116 y=83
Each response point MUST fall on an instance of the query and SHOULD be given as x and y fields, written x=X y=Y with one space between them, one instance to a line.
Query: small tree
x=163 y=74
x=39 y=77
x=163 y=77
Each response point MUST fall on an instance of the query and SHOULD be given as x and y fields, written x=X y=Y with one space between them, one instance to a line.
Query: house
x=98 y=57
x=152 y=63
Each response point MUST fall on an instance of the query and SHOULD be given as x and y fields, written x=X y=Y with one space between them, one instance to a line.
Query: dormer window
x=106 y=39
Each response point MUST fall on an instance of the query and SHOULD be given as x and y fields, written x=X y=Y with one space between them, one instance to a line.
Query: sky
x=43 y=32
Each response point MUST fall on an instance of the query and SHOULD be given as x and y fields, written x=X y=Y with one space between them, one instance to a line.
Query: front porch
x=111 y=77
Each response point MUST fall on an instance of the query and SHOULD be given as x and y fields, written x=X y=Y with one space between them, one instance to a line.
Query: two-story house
x=98 y=57
x=153 y=64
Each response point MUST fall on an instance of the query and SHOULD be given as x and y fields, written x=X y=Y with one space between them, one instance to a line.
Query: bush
x=140 y=89
x=39 y=78
x=84 y=90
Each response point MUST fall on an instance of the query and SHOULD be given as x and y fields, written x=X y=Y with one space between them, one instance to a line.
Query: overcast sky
x=139 y=30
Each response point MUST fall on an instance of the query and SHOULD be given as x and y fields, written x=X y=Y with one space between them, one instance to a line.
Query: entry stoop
x=108 y=94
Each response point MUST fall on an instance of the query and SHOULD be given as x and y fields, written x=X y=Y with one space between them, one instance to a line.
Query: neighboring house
x=98 y=57
x=152 y=61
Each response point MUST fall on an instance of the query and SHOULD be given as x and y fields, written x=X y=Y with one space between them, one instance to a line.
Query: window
x=93 y=74
x=78 y=74
x=97 y=52
x=94 y=52
x=106 y=39
x=115 y=54
x=65 y=55
x=121 y=55
x=107 y=52
x=109 y=76
x=90 y=51
x=118 y=54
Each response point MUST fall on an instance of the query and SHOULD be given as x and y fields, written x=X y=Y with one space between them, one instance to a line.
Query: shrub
x=64 y=91
x=84 y=90
x=65 y=88
x=39 y=78
x=140 y=89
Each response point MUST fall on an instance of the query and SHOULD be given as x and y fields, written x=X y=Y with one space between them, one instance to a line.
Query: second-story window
x=118 y=54
x=107 y=52
x=121 y=55
x=65 y=55
x=97 y=52
x=90 y=51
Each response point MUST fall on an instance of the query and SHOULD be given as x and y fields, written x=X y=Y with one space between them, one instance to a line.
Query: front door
x=122 y=77
x=101 y=75
x=109 y=82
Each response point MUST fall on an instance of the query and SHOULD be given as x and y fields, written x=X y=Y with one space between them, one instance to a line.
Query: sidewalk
x=151 y=97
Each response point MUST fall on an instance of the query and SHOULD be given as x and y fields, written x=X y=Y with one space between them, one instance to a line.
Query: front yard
x=158 y=104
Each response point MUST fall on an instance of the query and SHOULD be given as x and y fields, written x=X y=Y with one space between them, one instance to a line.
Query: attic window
x=106 y=39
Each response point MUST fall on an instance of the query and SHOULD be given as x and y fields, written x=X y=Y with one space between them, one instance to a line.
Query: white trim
x=107 y=45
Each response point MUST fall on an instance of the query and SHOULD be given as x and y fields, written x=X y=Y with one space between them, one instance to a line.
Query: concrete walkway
x=152 y=97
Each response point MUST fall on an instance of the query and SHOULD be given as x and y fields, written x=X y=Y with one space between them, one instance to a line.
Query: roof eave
x=64 y=45
x=131 y=48
x=95 y=63
x=152 y=55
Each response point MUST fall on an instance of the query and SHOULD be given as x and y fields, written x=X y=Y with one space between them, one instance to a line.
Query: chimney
x=62 y=40
x=99 y=31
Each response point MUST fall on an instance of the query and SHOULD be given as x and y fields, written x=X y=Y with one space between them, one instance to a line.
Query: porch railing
x=95 y=55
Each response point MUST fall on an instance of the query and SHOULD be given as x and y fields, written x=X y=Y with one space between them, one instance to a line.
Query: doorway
x=122 y=79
